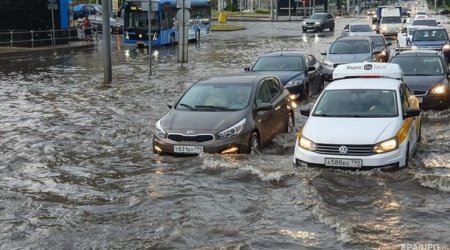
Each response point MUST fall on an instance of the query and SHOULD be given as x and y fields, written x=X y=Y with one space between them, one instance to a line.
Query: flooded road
x=77 y=169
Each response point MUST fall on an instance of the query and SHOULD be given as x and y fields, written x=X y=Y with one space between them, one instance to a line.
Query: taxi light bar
x=368 y=70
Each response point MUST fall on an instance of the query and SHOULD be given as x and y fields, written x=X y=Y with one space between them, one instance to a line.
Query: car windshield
x=279 y=63
x=420 y=65
x=350 y=47
x=411 y=31
x=216 y=97
x=425 y=22
x=366 y=103
x=318 y=16
x=391 y=19
x=360 y=28
x=430 y=35
x=377 y=40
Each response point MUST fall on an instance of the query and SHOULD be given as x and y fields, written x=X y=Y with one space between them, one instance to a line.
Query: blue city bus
x=163 y=21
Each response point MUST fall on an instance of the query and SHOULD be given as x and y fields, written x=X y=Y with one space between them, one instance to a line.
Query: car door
x=407 y=99
x=279 y=100
x=264 y=120
x=313 y=76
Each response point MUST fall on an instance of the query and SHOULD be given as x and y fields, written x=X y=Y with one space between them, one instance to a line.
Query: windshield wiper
x=211 y=107
x=187 y=106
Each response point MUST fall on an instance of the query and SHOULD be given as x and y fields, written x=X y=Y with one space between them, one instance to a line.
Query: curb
x=8 y=51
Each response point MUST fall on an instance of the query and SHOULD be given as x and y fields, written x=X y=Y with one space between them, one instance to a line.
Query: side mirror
x=311 y=68
x=388 y=44
x=305 y=112
x=264 y=107
x=376 y=52
x=412 y=113
x=324 y=53
x=169 y=106
x=247 y=69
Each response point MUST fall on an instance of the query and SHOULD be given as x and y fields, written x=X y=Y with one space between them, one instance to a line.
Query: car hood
x=285 y=76
x=308 y=20
x=348 y=58
x=198 y=122
x=423 y=82
x=329 y=130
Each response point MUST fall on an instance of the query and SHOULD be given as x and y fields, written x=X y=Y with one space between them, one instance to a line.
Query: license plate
x=188 y=149
x=420 y=99
x=347 y=163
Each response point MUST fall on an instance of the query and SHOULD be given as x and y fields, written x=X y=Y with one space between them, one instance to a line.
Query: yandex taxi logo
x=364 y=70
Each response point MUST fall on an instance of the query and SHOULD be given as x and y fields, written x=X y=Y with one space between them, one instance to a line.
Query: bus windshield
x=140 y=20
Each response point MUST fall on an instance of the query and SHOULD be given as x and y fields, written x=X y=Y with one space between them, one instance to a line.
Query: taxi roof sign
x=361 y=70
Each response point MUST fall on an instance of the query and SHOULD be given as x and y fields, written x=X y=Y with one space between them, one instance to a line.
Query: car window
x=350 y=47
x=360 y=28
x=430 y=35
x=263 y=95
x=215 y=97
x=404 y=99
x=346 y=27
x=404 y=30
x=329 y=16
x=274 y=88
x=378 y=40
x=420 y=65
x=357 y=103
x=278 y=63
x=425 y=22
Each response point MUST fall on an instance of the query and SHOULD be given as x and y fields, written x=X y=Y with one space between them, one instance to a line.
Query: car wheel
x=254 y=146
x=406 y=156
x=304 y=30
x=322 y=84
x=197 y=36
x=419 y=136
x=332 y=28
x=321 y=28
x=111 y=30
x=290 y=123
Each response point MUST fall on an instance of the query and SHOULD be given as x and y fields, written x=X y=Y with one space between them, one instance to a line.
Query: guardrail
x=34 y=38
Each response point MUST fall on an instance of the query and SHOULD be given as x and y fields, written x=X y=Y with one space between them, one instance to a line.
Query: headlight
x=384 y=29
x=328 y=63
x=386 y=146
x=304 y=23
x=446 y=47
x=317 y=23
x=159 y=131
x=439 y=90
x=233 y=130
x=307 y=144
x=384 y=53
x=293 y=83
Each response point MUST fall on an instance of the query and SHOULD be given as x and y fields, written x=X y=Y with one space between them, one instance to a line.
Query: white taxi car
x=365 y=118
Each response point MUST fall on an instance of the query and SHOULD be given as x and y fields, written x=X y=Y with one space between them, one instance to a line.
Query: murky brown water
x=77 y=169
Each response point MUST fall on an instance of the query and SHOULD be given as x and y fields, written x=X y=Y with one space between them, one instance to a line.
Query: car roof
x=431 y=28
x=418 y=53
x=352 y=38
x=285 y=53
x=368 y=83
x=235 y=78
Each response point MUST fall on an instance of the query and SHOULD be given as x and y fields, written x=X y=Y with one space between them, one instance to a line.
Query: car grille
x=309 y=23
x=355 y=150
x=420 y=92
x=190 y=138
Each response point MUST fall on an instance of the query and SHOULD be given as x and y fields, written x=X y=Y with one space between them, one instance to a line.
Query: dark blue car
x=434 y=38
x=300 y=73
x=426 y=73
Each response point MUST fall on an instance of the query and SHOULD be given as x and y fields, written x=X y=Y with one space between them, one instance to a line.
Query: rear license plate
x=188 y=149
x=420 y=99
x=347 y=163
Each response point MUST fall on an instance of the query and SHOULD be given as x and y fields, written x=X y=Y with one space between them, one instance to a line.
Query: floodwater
x=77 y=169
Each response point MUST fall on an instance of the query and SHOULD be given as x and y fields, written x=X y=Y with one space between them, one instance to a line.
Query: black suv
x=319 y=22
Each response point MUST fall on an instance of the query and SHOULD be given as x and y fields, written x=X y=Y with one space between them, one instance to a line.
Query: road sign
x=183 y=18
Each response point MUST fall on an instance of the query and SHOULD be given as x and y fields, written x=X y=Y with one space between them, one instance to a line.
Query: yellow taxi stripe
x=404 y=129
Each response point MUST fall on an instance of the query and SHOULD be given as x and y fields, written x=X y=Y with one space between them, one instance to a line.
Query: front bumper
x=310 y=26
x=307 y=158
x=434 y=101
x=241 y=142
x=298 y=91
